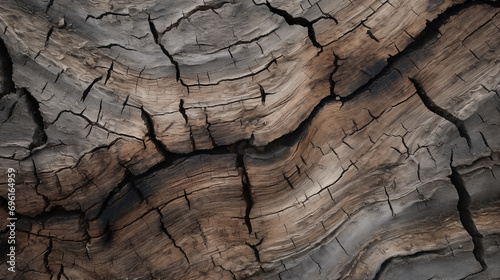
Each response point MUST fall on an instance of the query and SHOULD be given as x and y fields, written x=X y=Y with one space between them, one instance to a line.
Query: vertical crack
x=61 y=273
x=330 y=78
x=46 y=258
x=343 y=249
x=212 y=140
x=107 y=234
x=389 y=201
x=125 y=103
x=162 y=149
x=262 y=95
x=255 y=249
x=191 y=139
x=108 y=74
x=157 y=39
x=6 y=84
x=165 y=231
x=464 y=201
x=182 y=110
x=288 y=181
x=369 y=32
x=247 y=188
x=49 y=33
x=87 y=90
x=39 y=136
x=188 y=201
x=51 y=2
x=433 y=107
x=128 y=179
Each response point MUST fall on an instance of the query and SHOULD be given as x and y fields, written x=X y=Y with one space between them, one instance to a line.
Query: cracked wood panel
x=252 y=139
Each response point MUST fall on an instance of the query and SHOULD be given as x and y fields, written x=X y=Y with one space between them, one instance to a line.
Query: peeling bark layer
x=251 y=139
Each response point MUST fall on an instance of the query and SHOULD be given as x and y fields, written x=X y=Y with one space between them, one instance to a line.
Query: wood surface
x=251 y=139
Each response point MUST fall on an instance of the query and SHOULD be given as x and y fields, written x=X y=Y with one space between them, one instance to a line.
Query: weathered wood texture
x=244 y=139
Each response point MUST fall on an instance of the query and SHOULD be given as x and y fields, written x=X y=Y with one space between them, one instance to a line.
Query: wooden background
x=239 y=139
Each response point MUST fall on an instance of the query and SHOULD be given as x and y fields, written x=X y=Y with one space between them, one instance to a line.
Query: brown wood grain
x=251 y=139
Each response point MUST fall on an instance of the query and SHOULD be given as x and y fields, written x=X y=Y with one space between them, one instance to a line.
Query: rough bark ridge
x=238 y=139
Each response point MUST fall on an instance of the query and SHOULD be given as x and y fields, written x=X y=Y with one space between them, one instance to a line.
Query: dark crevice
x=165 y=231
x=175 y=63
x=106 y=14
x=108 y=74
x=148 y=121
x=255 y=249
x=129 y=178
x=46 y=255
x=262 y=95
x=369 y=32
x=61 y=273
x=6 y=84
x=429 y=33
x=125 y=103
x=157 y=39
x=109 y=46
x=49 y=33
x=39 y=136
x=99 y=112
x=433 y=107
x=464 y=202
x=288 y=181
x=246 y=186
x=51 y=2
x=325 y=15
x=153 y=29
x=389 y=201
x=330 y=78
x=295 y=21
x=418 y=172
x=188 y=202
x=107 y=235
x=87 y=90
x=182 y=110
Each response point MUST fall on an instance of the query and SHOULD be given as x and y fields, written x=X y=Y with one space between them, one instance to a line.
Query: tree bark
x=255 y=139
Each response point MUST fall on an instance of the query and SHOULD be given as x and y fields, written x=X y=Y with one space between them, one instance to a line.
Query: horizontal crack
x=198 y=8
x=106 y=14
